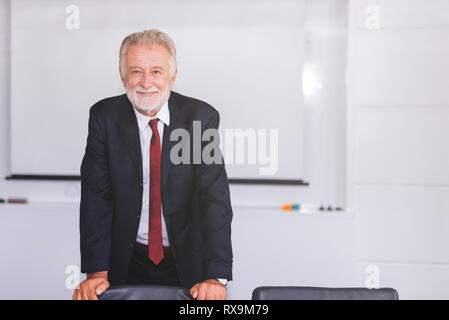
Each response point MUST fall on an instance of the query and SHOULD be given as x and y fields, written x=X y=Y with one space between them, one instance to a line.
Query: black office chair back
x=145 y=292
x=316 y=293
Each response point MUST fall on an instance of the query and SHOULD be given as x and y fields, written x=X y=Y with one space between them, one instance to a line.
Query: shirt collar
x=163 y=114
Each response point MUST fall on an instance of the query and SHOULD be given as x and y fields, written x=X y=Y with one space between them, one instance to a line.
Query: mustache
x=149 y=90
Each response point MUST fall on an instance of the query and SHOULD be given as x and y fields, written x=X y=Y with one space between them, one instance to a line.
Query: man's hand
x=211 y=289
x=95 y=284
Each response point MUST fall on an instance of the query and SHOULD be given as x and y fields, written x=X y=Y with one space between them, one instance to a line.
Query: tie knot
x=153 y=124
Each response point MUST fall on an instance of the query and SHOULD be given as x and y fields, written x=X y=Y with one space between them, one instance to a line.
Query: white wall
x=396 y=170
x=397 y=179
x=398 y=150
x=4 y=88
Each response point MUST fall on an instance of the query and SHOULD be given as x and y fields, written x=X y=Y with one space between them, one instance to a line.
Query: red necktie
x=155 y=249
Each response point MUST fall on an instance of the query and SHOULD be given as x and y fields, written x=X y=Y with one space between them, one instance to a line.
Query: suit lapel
x=129 y=132
x=167 y=145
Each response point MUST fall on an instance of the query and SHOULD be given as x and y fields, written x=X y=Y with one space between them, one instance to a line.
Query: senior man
x=143 y=218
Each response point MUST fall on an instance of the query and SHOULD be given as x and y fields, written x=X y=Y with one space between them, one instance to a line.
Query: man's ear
x=172 y=80
x=123 y=81
x=122 y=78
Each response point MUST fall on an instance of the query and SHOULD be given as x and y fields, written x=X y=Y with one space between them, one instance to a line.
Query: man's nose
x=146 y=81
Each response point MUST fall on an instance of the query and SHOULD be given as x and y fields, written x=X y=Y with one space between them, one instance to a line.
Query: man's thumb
x=102 y=287
x=194 y=292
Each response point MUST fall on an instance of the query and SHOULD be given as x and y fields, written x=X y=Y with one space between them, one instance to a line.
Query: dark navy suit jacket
x=195 y=197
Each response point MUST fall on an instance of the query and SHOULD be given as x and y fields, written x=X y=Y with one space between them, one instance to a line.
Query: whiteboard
x=244 y=58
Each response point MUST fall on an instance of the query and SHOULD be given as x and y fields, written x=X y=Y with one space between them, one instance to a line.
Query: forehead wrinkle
x=142 y=55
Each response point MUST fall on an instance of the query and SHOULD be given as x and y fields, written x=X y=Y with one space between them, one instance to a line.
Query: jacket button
x=130 y=246
x=141 y=184
x=138 y=217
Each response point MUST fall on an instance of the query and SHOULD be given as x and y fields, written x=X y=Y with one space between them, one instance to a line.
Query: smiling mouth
x=147 y=93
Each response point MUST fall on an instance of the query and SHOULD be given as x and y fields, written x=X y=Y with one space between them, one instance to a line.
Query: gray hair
x=150 y=38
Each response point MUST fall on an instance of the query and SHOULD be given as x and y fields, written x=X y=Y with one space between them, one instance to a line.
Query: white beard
x=147 y=104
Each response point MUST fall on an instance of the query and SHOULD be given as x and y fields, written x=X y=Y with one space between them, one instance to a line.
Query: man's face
x=147 y=77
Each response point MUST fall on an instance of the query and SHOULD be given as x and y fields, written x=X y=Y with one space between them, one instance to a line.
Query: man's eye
x=156 y=72
x=136 y=71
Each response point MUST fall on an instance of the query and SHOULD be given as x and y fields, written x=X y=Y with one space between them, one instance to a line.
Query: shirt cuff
x=223 y=281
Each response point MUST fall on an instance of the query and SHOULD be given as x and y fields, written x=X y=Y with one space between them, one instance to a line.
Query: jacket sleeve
x=96 y=208
x=216 y=212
